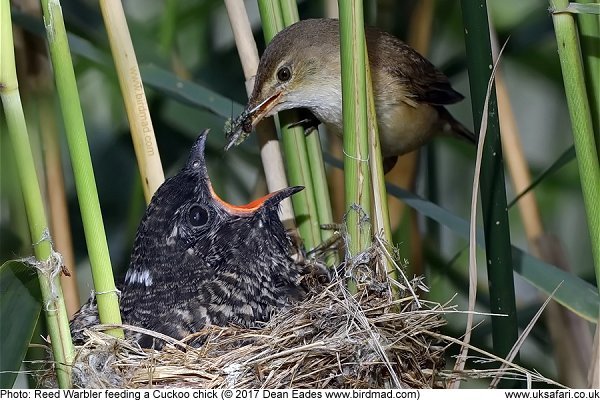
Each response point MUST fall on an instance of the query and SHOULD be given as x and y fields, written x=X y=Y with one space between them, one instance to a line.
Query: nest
x=374 y=338
x=330 y=340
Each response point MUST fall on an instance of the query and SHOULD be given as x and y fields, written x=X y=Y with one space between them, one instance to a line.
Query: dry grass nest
x=333 y=339
x=382 y=336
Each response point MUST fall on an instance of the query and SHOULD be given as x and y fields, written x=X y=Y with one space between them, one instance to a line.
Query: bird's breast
x=403 y=128
x=323 y=99
x=330 y=115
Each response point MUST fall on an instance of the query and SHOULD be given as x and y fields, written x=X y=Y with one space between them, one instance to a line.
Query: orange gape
x=243 y=209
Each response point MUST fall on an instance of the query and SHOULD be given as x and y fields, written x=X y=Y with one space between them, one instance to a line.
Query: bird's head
x=185 y=218
x=300 y=68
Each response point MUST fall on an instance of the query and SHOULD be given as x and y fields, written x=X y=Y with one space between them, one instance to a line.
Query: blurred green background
x=192 y=41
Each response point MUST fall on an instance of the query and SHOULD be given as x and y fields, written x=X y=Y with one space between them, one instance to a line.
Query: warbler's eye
x=197 y=215
x=284 y=74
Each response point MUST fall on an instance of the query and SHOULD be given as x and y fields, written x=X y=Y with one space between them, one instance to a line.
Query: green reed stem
x=47 y=267
x=356 y=140
x=289 y=12
x=589 y=36
x=581 y=122
x=85 y=183
x=294 y=143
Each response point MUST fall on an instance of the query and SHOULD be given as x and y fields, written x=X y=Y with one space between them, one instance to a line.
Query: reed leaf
x=565 y=158
x=575 y=294
x=493 y=191
x=20 y=306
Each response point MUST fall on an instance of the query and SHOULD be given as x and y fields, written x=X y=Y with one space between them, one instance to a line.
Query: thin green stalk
x=10 y=190
x=289 y=11
x=321 y=188
x=589 y=35
x=85 y=183
x=47 y=266
x=581 y=121
x=493 y=191
x=270 y=148
x=271 y=18
x=381 y=214
x=299 y=173
x=168 y=27
x=294 y=145
x=356 y=141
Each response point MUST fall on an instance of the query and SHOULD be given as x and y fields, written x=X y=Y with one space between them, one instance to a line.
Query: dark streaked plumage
x=197 y=260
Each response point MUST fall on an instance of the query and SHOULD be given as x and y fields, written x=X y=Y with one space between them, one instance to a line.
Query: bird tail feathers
x=456 y=128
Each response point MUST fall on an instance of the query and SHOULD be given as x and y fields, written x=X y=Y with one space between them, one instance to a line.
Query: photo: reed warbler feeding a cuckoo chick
x=300 y=69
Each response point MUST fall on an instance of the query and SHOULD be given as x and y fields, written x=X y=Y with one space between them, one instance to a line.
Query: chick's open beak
x=197 y=162
x=270 y=200
x=238 y=131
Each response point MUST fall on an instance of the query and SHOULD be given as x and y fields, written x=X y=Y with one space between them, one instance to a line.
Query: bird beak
x=197 y=162
x=256 y=114
x=248 y=119
x=273 y=199
x=270 y=200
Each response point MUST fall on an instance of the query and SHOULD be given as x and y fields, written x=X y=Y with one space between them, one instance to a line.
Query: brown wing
x=423 y=81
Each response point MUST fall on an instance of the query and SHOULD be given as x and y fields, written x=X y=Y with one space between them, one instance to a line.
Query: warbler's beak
x=250 y=117
x=257 y=113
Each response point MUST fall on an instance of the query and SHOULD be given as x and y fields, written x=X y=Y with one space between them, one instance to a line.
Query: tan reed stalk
x=270 y=150
x=294 y=143
x=132 y=89
x=57 y=203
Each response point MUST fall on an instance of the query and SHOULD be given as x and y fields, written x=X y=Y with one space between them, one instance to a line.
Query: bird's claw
x=307 y=121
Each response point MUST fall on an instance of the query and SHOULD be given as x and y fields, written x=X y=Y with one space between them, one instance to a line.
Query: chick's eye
x=284 y=74
x=197 y=215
